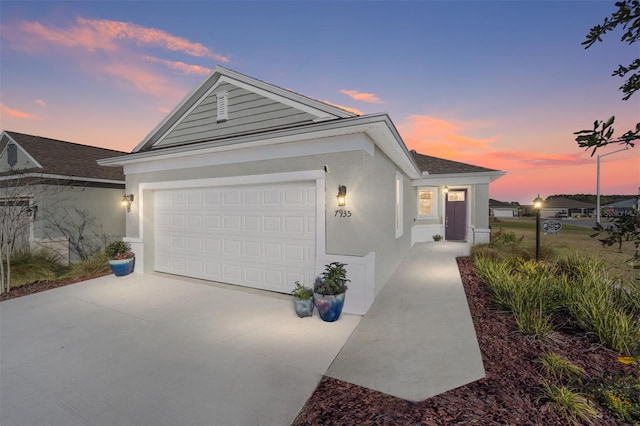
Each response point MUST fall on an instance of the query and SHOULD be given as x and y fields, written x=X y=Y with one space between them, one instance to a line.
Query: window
x=427 y=202
x=399 y=225
x=222 y=98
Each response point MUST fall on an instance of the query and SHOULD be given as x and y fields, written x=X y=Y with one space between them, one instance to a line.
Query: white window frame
x=434 y=202
x=398 y=204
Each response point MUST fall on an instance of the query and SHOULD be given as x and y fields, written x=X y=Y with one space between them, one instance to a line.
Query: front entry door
x=455 y=228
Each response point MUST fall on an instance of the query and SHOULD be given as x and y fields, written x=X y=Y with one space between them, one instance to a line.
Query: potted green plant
x=303 y=300
x=437 y=237
x=329 y=291
x=121 y=258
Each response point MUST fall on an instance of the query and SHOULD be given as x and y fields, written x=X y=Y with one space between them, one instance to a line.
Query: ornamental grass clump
x=561 y=369
x=529 y=292
x=600 y=305
x=570 y=405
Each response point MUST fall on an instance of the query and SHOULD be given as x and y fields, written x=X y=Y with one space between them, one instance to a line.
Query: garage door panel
x=261 y=236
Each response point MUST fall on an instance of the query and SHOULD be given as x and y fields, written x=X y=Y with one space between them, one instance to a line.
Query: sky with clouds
x=500 y=84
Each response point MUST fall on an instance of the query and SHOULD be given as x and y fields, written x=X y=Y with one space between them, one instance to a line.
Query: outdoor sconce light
x=445 y=189
x=537 y=205
x=342 y=195
x=126 y=201
x=32 y=212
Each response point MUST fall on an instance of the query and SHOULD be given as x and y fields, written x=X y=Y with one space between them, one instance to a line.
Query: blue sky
x=501 y=84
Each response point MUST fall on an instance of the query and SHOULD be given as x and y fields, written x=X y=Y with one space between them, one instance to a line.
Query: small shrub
x=437 y=237
x=302 y=292
x=569 y=404
x=503 y=237
x=621 y=396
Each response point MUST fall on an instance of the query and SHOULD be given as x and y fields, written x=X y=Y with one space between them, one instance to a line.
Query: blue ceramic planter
x=122 y=267
x=329 y=307
x=303 y=307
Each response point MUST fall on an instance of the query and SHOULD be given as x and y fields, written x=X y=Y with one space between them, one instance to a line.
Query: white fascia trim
x=318 y=176
x=61 y=177
x=255 y=153
x=24 y=151
x=457 y=179
x=314 y=131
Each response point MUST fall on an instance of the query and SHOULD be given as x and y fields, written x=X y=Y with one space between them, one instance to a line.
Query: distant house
x=54 y=195
x=250 y=184
x=619 y=208
x=502 y=209
x=571 y=207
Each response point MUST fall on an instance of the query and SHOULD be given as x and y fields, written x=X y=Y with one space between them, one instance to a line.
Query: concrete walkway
x=417 y=340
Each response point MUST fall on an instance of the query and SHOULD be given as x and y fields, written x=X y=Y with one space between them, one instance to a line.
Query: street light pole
x=598 y=180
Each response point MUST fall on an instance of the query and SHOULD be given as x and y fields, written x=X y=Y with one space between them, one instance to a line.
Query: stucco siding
x=70 y=207
x=247 y=112
x=370 y=182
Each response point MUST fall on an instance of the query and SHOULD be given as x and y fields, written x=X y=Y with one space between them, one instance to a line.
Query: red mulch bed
x=37 y=287
x=506 y=396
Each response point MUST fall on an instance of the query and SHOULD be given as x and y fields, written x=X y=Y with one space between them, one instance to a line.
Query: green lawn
x=572 y=239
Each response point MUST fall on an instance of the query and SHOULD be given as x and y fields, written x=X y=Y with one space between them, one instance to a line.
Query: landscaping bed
x=507 y=395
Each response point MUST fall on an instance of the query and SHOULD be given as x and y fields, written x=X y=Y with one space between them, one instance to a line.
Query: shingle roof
x=61 y=158
x=436 y=166
x=624 y=204
x=501 y=204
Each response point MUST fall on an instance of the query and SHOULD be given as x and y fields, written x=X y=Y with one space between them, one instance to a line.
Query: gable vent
x=12 y=154
x=222 y=98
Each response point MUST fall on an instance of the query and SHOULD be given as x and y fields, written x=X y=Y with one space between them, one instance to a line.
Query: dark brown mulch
x=506 y=396
x=37 y=287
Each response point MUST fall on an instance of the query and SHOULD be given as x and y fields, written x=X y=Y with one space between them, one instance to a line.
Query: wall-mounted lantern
x=445 y=189
x=342 y=195
x=126 y=201
x=32 y=211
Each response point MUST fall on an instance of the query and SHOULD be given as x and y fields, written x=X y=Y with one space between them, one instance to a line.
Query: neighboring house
x=241 y=184
x=619 y=208
x=571 y=207
x=502 y=209
x=67 y=202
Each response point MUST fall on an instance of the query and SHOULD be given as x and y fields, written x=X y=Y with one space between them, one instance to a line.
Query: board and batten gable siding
x=248 y=112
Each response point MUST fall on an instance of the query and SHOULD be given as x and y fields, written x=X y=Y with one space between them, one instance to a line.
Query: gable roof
x=435 y=165
x=61 y=159
x=268 y=116
x=197 y=111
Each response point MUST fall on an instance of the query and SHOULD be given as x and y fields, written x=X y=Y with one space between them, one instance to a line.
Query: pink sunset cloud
x=14 y=113
x=179 y=66
x=360 y=96
x=93 y=35
x=41 y=102
x=120 y=45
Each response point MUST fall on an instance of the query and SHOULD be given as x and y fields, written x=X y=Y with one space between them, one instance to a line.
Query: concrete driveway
x=156 y=350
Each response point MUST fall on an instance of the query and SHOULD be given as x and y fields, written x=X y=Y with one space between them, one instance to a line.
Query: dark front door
x=455 y=216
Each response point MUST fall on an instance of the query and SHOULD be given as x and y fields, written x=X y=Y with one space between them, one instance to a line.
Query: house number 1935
x=342 y=213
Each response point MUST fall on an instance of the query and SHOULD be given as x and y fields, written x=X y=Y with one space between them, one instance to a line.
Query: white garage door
x=260 y=236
